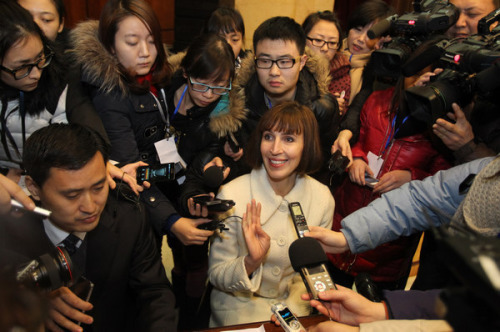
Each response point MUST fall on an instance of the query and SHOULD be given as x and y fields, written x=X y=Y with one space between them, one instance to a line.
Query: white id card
x=375 y=163
x=167 y=151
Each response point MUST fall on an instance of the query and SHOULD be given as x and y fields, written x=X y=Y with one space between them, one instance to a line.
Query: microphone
x=213 y=176
x=308 y=258
x=381 y=27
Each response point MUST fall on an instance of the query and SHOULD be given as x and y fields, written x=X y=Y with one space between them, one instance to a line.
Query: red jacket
x=415 y=153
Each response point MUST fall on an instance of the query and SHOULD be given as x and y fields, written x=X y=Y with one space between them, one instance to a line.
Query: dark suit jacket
x=132 y=292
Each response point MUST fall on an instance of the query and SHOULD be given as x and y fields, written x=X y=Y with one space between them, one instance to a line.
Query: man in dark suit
x=66 y=167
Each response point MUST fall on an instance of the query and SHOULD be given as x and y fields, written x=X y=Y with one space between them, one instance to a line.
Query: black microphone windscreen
x=213 y=176
x=306 y=252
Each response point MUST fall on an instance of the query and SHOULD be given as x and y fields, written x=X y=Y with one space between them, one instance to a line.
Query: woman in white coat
x=249 y=264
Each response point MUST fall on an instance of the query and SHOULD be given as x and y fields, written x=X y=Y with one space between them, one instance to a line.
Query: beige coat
x=238 y=299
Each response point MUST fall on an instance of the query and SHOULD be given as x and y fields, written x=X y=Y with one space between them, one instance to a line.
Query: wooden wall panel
x=80 y=10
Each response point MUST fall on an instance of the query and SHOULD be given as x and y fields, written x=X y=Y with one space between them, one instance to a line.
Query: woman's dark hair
x=398 y=96
x=291 y=118
x=326 y=15
x=225 y=20
x=61 y=10
x=209 y=56
x=115 y=11
x=369 y=11
x=17 y=26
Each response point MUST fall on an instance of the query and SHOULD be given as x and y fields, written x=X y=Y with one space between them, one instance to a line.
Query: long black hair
x=17 y=25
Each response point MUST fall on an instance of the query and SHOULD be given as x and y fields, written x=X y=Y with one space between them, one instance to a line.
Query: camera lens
x=50 y=271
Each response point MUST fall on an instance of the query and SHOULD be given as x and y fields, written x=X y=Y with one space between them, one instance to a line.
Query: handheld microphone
x=308 y=258
x=213 y=176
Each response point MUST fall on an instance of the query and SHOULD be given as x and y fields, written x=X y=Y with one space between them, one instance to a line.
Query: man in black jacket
x=66 y=166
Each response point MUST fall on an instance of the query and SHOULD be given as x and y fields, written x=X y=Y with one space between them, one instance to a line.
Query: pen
x=37 y=210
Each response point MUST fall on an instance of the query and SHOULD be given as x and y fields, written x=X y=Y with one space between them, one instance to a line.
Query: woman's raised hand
x=258 y=242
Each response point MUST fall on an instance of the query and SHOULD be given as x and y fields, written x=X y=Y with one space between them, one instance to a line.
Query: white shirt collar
x=57 y=235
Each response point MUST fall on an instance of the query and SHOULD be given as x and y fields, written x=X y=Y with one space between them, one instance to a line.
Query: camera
x=471 y=69
x=337 y=163
x=50 y=271
x=409 y=31
x=473 y=261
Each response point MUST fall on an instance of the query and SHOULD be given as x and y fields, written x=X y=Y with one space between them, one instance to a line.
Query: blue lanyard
x=180 y=101
x=268 y=101
x=394 y=131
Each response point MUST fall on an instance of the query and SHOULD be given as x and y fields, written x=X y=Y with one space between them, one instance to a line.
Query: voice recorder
x=287 y=319
x=299 y=220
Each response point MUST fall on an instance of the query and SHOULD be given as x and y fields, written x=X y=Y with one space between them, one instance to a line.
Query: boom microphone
x=213 y=176
x=308 y=258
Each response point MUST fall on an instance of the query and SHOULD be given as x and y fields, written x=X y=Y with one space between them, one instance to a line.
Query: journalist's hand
x=65 y=308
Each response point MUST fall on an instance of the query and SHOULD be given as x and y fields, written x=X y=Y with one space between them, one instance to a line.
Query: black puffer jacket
x=247 y=97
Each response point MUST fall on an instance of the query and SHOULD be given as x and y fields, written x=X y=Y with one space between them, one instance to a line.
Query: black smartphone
x=83 y=288
x=156 y=173
x=233 y=143
x=214 y=204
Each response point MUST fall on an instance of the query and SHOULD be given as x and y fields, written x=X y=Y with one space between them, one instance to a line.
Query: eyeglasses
x=320 y=42
x=25 y=70
x=285 y=63
x=217 y=90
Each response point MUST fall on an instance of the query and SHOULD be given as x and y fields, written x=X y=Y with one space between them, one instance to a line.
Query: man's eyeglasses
x=25 y=70
x=320 y=42
x=285 y=63
x=218 y=90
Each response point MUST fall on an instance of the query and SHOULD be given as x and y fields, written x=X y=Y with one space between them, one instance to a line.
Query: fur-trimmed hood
x=102 y=69
x=99 y=67
x=316 y=65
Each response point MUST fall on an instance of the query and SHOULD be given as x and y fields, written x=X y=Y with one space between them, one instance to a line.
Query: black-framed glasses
x=24 y=70
x=217 y=90
x=284 y=63
x=320 y=42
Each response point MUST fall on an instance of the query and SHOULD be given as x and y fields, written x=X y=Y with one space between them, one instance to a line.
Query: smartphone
x=214 y=204
x=287 y=319
x=370 y=181
x=156 y=173
x=83 y=288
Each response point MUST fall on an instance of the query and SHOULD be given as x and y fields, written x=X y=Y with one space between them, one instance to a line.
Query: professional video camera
x=408 y=31
x=471 y=68
x=50 y=271
x=474 y=262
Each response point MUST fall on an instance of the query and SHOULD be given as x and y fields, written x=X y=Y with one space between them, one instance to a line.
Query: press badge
x=167 y=152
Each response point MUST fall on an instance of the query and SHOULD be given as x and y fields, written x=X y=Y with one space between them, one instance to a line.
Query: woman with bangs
x=248 y=264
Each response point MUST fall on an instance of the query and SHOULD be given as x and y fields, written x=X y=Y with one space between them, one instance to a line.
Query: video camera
x=474 y=261
x=50 y=271
x=408 y=31
x=471 y=68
